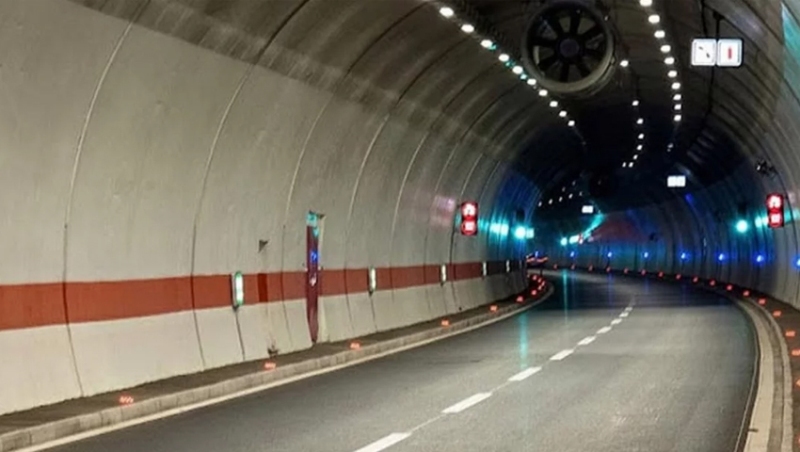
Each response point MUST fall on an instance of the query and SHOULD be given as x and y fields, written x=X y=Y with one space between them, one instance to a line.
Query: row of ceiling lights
x=672 y=74
x=488 y=44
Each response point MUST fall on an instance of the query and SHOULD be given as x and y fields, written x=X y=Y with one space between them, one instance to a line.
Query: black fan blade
x=583 y=68
x=541 y=41
x=548 y=62
x=555 y=24
x=564 y=76
x=593 y=32
x=574 y=21
x=594 y=53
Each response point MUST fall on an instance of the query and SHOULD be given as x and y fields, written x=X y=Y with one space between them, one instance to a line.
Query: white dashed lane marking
x=623 y=315
x=385 y=442
x=616 y=321
x=587 y=340
x=466 y=403
x=604 y=330
x=525 y=374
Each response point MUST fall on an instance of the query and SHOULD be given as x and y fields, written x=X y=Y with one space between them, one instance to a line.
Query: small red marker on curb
x=493 y=308
x=776 y=313
x=520 y=299
x=789 y=333
x=729 y=288
x=445 y=322
x=796 y=352
x=762 y=301
x=355 y=345
x=269 y=365
x=125 y=400
x=746 y=293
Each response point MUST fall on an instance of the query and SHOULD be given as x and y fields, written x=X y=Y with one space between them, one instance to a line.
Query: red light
x=555 y=267
x=625 y=271
x=790 y=333
x=712 y=283
x=695 y=279
x=125 y=400
x=520 y=299
x=269 y=365
x=469 y=227
x=493 y=308
x=355 y=345
x=660 y=274
x=591 y=267
x=746 y=293
x=777 y=313
x=729 y=288
x=678 y=276
x=608 y=269
x=644 y=272
x=775 y=210
x=572 y=267
x=535 y=293
x=469 y=218
x=795 y=352
x=445 y=322
x=762 y=301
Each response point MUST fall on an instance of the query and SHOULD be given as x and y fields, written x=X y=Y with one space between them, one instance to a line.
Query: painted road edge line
x=525 y=374
x=587 y=340
x=561 y=355
x=385 y=442
x=604 y=330
x=616 y=321
x=85 y=433
x=466 y=403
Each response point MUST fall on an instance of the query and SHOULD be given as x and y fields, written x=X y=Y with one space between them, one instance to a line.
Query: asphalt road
x=606 y=364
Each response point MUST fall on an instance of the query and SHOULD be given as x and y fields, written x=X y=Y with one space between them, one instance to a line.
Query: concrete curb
x=63 y=431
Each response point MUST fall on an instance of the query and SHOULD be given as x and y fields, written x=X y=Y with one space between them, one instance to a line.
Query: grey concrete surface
x=672 y=375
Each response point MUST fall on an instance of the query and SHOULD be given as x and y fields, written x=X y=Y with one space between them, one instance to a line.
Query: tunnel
x=193 y=186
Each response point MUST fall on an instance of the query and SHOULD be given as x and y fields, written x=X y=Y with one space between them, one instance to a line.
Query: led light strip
x=669 y=61
x=448 y=12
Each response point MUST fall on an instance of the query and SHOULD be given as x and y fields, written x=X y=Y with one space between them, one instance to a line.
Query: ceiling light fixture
x=640 y=121
x=487 y=44
x=563 y=113
x=654 y=19
x=678 y=118
x=624 y=63
x=531 y=82
x=504 y=57
x=678 y=107
x=636 y=157
x=554 y=103
x=672 y=74
x=640 y=147
x=571 y=123
x=676 y=86
x=669 y=61
x=517 y=70
x=677 y=97
x=666 y=48
x=446 y=11
x=543 y=92
x=660 y=34
x=641 y=136
x=467 y=28
x=646 y=3
x=635 y=103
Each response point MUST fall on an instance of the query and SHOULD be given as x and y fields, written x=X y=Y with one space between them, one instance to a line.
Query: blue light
x=572 y=254
x=646 y=255
x=742 y=226
x=721 y=257
x=610 y=254
x=564 y=241
x=520 y=232
x=797 y=263
x=760 y=258
x=683 y=256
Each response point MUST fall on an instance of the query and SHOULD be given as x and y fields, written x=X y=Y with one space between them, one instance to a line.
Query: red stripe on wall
x=95 y=301
x=26 y=306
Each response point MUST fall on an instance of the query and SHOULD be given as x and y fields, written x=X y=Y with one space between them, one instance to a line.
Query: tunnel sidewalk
x=179 y=394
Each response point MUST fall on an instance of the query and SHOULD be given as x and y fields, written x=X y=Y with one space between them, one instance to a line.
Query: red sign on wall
x=469 y=218
x=775 y=211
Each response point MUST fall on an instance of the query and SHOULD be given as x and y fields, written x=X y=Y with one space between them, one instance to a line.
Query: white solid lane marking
x=623 y=315
x=561 y=355
x=525 y=374
x=604 y=330
x=587 y=340
x=616 y=321
x=466 y=403
x=385 y=442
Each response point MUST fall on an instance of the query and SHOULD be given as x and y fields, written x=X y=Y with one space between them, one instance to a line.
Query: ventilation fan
x=568 y=48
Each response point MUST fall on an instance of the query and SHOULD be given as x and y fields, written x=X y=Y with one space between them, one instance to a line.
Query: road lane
x=672 y=374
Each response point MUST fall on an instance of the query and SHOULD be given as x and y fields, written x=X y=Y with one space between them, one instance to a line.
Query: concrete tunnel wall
x=702 y=224
x=146 y=148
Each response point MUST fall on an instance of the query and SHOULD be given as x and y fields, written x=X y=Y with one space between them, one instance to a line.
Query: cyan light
x=721 y=257
x=760 y=258
x=574 y=239
x=520 y=232
x=564 y=241
x=742 y=226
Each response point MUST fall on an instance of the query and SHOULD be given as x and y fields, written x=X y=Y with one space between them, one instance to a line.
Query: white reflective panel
x=729 y=52
x=704 y=52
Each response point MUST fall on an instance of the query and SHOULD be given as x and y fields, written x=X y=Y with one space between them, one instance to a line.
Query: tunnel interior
x=151 y=148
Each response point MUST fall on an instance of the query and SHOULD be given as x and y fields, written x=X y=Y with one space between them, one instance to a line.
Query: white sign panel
x=729 y=53
x=704 y=52
x=587 y=209
x=676 y=181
